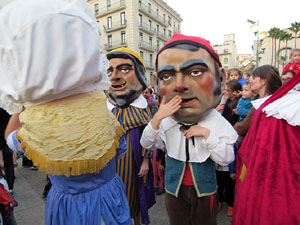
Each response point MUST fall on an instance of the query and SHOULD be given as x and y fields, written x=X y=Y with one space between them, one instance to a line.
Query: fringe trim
x=71 y=168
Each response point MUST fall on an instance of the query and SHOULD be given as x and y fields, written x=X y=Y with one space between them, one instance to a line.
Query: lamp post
x=259 y=35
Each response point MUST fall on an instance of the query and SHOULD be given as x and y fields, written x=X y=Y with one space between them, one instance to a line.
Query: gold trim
x=180 y=181
x=243 y=173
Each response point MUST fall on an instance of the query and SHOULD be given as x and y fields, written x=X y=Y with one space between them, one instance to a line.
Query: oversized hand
x=194 y=131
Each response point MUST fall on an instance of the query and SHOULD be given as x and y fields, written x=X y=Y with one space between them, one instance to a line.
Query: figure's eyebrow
x=192 y=62
x=167 y=68
x=124 y=64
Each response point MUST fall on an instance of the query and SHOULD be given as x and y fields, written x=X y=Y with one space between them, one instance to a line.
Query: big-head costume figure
x=52 y=67
x=194 y=134
x=127 y=75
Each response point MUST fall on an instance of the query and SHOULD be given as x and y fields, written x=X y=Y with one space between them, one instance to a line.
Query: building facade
x=227 y=52
x=142 y=25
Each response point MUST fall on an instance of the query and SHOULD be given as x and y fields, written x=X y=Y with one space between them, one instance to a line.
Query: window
x=170 y=34
x=140 y=3
x=164 y=32
x=123 y=21
x=178 y=28
x=109 y=22
x=225 y=60
x=149 y=7
x=164 y=17
x=98 y=24
x=225 y=51
x=169 y=21
x=157 y=29
x=157 y=12
x=157 y=45
x=150 y=41
x=140 y=20
x=142 y=54
x=108 y=5
x=123 y=40
x=150 y=24
x=141 y=37
x=151 y=60
x=151 y=77
x=96 y=9
x=109 y=37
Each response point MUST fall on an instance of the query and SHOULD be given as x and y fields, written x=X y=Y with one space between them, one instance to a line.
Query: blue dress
x=89 y=199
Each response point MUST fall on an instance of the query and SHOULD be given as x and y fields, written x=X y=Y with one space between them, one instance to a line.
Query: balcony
x=115 y=44
x=162 y=37
x=152 y=14
x=146 y=46
x=149 y=65
x=103 y=11
x=115 y=26
x=146 y=28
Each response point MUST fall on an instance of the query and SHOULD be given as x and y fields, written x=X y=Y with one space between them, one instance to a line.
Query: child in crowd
x=158 y=164
x=247 y=76
x=294 y=64
x=236 y=74
x=244 y=104
x=226 y=174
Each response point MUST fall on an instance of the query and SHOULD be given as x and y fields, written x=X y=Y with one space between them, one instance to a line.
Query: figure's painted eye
x=166 y=77
x=195 y=73
x=109 y=72
x=125 y=70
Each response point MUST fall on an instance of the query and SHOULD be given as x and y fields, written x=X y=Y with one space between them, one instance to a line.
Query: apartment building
x=142 y=25
x=227 y=52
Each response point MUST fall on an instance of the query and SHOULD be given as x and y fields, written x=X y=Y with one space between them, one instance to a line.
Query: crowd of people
x=108 y=141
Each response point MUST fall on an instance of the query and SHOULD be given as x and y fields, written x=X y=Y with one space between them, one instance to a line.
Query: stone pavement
x=28 y=190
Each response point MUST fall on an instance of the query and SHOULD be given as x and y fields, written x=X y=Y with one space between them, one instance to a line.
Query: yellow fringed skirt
x=71 y=136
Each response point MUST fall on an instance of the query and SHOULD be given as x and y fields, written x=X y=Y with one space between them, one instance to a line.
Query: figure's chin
x=189 y=115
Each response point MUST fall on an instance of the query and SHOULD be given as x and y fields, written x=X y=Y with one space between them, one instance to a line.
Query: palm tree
x=276 y=36
x=288 y=37
x=295 y=27
x=281 y=37
x=272 y=35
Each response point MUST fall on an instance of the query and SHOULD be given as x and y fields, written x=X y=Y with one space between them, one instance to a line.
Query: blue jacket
x=243 y=107
x=203 y=174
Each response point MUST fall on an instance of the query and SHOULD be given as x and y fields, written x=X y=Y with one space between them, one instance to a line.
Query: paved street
x=28 y=192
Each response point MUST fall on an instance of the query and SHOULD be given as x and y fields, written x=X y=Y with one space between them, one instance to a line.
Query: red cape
x=270 y=191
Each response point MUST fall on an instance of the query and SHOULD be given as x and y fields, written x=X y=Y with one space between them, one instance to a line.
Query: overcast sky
x=212 y=19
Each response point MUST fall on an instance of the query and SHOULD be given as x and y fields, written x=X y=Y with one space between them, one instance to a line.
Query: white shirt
x=218 y=146
x=287 y=107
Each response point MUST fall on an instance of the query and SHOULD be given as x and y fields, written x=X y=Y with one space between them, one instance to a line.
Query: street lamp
x=259 y=35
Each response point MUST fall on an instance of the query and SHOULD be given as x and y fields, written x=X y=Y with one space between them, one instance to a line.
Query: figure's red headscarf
x=196 y=41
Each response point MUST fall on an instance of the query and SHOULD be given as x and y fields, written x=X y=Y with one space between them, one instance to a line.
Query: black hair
x=234 y=85
x=289 y=71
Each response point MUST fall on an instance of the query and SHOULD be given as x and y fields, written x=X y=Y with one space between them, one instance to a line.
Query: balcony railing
x=115 y=44
x=146 y=46
x=162 y=37
x=115 y=26
x=146 y=27
x=103 y=11
x=152 y=14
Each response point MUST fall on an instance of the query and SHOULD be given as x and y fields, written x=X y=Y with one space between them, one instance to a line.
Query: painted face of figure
x=125 y=86
x=295 y=58
x=190 y=75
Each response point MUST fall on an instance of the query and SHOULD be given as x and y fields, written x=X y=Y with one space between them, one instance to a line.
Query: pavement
x=28 y=191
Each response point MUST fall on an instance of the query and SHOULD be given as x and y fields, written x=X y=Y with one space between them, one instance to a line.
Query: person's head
x=232 y=89
x=295 y=55
x=266 y=80
x=247 y=92
x=286 y=76
x=246 y=76
x=127 y=76
x=189 y=67
x=235 y=74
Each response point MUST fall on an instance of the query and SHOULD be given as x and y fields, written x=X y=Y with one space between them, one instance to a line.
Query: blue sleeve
x=233 y=164
x=243 y=107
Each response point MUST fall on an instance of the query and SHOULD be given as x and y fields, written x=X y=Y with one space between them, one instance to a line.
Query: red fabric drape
x=270 y=191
